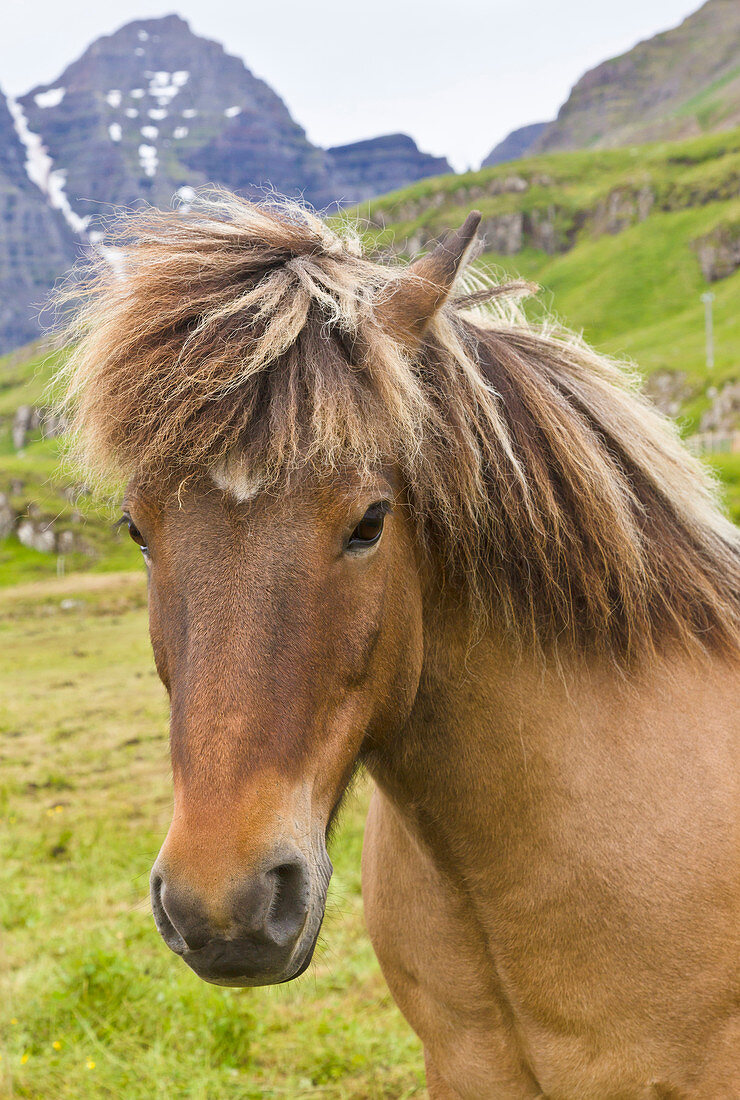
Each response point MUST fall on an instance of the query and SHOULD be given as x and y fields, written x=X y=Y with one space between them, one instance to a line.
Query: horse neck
x=462 y=755
x=499 y=744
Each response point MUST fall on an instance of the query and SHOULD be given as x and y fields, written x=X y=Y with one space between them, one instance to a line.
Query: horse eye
x=370 y=528
x=136 y=534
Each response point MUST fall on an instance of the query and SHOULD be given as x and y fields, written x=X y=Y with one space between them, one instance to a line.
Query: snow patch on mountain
x=40 y=169
x=148 y=159
x=186 y=196
x=51 y=98
x=164 y=86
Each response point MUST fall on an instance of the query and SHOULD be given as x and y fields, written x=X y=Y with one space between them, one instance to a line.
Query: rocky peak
x=154 y=108
x=680 y=83
x=147 y=113
x=365 y=169
x=12 y=153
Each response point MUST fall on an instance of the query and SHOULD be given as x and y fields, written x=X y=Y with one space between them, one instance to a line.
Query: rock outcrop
x=8 y=516
x=723 y=415
x=719 y=251
x=31 y=419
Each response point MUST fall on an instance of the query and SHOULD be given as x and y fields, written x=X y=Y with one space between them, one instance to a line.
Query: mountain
x=366 y=169
x=154 y=109
x=36 y=244
x=515 y=144
x=678 y=84
x=145 y=114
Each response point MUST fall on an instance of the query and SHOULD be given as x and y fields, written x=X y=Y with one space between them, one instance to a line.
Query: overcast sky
x=457 y=75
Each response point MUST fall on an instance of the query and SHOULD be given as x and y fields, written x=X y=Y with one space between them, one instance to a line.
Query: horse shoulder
x=435 y=962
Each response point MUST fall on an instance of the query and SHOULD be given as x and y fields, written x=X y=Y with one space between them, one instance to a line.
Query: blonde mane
x=542 y=484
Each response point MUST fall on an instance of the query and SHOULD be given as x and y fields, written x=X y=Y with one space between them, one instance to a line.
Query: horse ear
x=410 y=301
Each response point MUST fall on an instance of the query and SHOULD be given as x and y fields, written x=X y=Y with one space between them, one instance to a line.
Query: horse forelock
x=242 y=340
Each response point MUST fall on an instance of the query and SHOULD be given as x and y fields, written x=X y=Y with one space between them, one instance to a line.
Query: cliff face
x=678 y=84
x=366 y=169
x=36 y=244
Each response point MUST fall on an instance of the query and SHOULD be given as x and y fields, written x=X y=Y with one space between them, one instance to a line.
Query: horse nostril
x=257 y=925
x=180 y=923
x=166 y=929
x=290 y=900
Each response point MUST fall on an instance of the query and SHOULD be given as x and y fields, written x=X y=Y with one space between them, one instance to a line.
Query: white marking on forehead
x=238 y=482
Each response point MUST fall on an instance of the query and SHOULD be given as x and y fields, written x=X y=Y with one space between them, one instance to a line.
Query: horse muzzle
x=263 y=933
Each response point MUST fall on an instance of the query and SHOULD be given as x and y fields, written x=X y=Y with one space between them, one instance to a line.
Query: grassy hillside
x=614 y=238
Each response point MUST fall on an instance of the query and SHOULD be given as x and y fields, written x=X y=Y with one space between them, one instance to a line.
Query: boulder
x=719 y=251
x=37 y=535
x=25 y=421
x=503 y=233
x=7 y=517
x=723 y=415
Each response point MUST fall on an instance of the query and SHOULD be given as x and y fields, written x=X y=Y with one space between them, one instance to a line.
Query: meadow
x=92 y=1003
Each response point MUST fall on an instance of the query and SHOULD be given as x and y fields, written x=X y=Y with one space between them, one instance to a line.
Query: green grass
x=92 y=1003
x=24 y=376
x=49 y=487
x=727 y=469
x=707 y=105
x=637 y=295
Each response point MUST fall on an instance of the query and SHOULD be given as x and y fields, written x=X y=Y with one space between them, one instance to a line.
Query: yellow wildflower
x=57 y=1045
x=24 y=1059
x=90 y=1064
